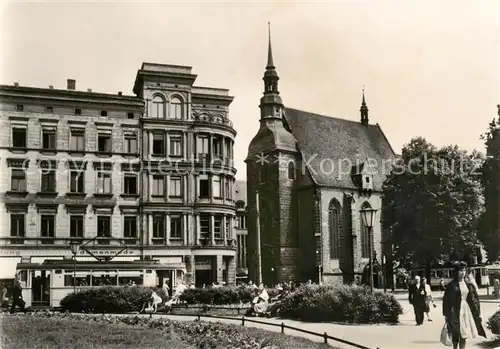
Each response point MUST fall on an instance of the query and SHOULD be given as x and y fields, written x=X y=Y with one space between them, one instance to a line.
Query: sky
x=429 y=68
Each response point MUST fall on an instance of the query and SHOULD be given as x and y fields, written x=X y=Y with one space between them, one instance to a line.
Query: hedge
x=111 y=299
x=351 y=304
x=222 y=295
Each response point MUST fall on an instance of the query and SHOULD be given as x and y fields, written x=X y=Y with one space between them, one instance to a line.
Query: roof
x=240 y=191
x=332 y=146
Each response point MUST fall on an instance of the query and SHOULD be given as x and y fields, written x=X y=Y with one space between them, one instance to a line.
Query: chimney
x=89 y=90
x=119 y=93
x=71 y=84
x=16 y=84
x=51 y=87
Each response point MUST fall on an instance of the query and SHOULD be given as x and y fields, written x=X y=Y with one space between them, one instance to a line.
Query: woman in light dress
x=261 y=302
x=461 y=308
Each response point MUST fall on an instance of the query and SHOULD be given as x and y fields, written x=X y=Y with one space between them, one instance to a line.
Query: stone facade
x=153 y=172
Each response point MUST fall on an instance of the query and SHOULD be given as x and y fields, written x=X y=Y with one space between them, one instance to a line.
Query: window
x=202 y=145
x=103 y=182
x=291 y=170
x=335 y=228
x=158 y=144
x=19 y=107
x=78 y=111
x=47 y=228
x=241 y=221
x=77 y=182
x=129 y=227
x=227 y=188
x=17 y=227
x=218 y=227
x=158 y=186
x=175 y=146
x=104 y=228
x=130 y=184
x=18 y=180
x=77 y=141
x=204 y=226
x=49 y=181
x=365 y=235
x=176 y=227
x=130 y=115
x=217 y=143
x=158 y=107
x=175 y=187
x=104 y=113
x=204 y=187
x=216 y=186
x=175 y=108
x=49 y=109
x=228 y=149
x=158 y=228
x=104 y=143
x=130 y=144
x=19 y=137
x=76 y=226
x=242 y=251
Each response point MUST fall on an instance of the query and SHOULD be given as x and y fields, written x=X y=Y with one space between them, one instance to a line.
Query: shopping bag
x=446 y=337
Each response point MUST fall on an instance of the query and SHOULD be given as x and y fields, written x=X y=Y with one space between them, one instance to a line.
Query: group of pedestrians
x=461 y=306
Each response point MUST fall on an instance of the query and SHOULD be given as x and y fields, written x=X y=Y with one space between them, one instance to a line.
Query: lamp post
x=368 y=217
x=75 y=248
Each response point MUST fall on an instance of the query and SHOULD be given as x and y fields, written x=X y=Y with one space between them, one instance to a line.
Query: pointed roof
x=326 y=141
x=270 y=62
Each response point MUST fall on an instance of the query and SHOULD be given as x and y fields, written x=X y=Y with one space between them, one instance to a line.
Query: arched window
x=158 y=107
x=335 y=226
x=365 y=235
x=291 y=170
x=175 y=108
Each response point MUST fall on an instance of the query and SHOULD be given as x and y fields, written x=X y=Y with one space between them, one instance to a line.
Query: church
x=308 y=178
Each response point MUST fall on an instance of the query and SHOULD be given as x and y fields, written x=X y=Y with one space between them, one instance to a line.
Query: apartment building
x=148 y=176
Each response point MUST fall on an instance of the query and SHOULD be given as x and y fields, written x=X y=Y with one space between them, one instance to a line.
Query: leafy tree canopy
x=432 y=203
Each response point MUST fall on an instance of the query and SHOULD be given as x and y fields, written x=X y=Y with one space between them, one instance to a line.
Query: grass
x=30 y=332
x=215 y=310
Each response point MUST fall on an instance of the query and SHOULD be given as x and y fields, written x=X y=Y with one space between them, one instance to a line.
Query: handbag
x=446 y=337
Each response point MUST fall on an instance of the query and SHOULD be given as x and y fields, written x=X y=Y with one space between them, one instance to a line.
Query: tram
x=46 y=284
x=445 y=273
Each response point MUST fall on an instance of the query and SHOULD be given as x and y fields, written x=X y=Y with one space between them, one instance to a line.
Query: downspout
x=141 y=184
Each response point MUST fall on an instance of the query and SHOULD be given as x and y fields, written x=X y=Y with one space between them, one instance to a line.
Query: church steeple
x=271 y=104
x=364 y=111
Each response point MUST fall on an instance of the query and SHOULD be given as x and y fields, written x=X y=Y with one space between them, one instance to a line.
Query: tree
x=489 y=229
x=432 y=203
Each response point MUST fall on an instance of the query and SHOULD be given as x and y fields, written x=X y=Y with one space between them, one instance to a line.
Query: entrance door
x=203 y=278
x=40 y=287
x=162 y=275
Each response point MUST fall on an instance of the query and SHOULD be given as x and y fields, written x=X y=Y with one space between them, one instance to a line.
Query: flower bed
x=55 y=330
x=351 y=304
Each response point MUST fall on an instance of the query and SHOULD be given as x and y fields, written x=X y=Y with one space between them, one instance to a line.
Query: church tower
x=272 y=164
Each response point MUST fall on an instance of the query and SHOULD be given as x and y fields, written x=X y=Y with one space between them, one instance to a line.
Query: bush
x=112 y=299
x=353 y=304
x=494 y=323
x=222 y=295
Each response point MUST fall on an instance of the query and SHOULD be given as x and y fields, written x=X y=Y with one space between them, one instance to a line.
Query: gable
x=331 y=147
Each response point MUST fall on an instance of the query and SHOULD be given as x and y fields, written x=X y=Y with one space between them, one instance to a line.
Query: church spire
x=271 y=105
x=364 y=111
x=270 y=63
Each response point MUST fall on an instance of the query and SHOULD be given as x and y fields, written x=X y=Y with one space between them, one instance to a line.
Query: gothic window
x=291 y=170
x=365 y=235
x=158 y=107
x=335 y=226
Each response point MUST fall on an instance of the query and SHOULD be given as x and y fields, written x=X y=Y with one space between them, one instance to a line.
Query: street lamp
x=368 y=217
x=75 y=248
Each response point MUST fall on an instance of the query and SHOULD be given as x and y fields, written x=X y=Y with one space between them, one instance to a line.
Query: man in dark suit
x=17 y=297
x=416 y=296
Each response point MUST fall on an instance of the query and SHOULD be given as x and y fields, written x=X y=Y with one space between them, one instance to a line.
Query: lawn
x=86 y=332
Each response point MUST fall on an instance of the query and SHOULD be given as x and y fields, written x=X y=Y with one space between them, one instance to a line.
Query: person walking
x=417 y=297
x=428 y=298
x=462 y=309
x=17 y=297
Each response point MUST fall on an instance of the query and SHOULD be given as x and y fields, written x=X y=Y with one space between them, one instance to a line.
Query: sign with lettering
x=35 y=252
x=109 y=252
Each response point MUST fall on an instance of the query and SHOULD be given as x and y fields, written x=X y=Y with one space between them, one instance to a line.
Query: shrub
x=222 y=295
x=111 y=299
x=494 y=323
x=353 y=304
